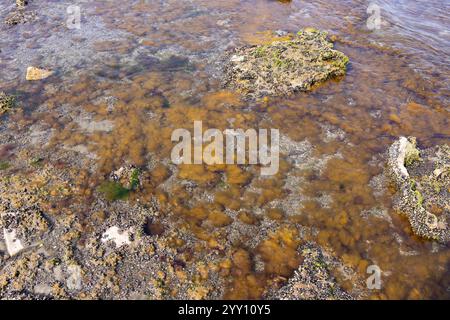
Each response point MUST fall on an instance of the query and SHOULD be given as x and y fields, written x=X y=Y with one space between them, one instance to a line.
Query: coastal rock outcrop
x=289 y=64
x=423 y=181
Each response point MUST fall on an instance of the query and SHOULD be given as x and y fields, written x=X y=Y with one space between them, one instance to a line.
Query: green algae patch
x=113 y=191
x=286 y=66
x=125 y=181
x=4 y=165
x=134 y=179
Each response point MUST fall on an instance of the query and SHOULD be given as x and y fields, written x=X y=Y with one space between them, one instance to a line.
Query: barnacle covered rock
x=423 y=180
x=291 y=64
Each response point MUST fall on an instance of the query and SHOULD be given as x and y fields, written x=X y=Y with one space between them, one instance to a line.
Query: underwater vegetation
x=114 y=190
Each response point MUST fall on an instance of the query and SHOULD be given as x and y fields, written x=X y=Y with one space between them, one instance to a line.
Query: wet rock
x=401 y=153
x=423 y=181
x=42 y=289
x=291 y=64
x=13 y=244
x=312 y=280
x=34 y=73
x=74 y=279
x=88 y=125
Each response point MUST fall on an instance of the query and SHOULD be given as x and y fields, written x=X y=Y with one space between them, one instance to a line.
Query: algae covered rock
x=285 y=66
x=423 y=180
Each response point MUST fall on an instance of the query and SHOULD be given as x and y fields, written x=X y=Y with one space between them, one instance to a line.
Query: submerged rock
x=7 y=102
x=313 y=279
x=13 y=243
x=423 y=180
x=34 y=73
x=121 y=183
x=21 y=3
x=20 y=16
x=286 y=66
x=22 y=228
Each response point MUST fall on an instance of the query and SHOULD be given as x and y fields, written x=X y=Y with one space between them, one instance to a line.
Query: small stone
x=13 y=244
x=281 y=33
x=114 y=234
x=42 y=289
x=236 y=58
x=74 y=280
x=34 y=73
x=403 y=153
x=223 y=23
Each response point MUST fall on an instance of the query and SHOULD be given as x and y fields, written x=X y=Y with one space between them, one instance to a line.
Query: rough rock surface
x=286 y=66
x=312 y=280
x=47 y=250
x=64 y=247
x=423 y=180
x=7 y=102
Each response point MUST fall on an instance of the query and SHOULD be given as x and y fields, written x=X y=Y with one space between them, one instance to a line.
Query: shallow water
x=138 y=70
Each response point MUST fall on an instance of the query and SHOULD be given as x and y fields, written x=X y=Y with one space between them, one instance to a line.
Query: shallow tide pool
x=137 y=70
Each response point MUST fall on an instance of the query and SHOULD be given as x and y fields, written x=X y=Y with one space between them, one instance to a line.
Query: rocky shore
x=423 y=181
x=91 y=207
